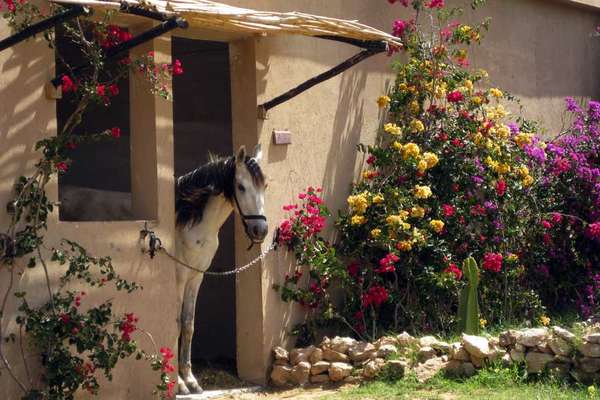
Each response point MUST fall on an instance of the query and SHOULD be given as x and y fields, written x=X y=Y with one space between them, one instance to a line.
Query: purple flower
x=477 y=180
x=572 y=105
x=594 y=110
x=514 y=128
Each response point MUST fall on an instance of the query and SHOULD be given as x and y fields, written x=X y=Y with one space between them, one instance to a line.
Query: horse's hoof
x=182 y=388
x=194 y=387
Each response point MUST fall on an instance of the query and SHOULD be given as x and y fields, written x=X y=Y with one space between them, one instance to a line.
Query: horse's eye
x=241 y=188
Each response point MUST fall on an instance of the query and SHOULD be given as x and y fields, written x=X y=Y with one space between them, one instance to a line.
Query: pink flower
x=67 y=84
x=492 y=262
x=61 y=166
x=455 y=96
x=593 y=230
x=448 y=210
x=435 y=4
x=386 y=264
x=399 y=27
x=556 y=218
x=177 y=68
x=546 y=224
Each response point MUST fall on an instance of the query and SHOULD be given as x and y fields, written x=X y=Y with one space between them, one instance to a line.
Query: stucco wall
x=539 y=50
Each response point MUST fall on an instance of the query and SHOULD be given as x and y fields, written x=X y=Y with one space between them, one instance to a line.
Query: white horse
x=205 y=197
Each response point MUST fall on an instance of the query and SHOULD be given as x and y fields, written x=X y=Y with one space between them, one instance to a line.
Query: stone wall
x=556 y=350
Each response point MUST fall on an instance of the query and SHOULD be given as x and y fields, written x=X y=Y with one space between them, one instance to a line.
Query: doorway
x=203 y=125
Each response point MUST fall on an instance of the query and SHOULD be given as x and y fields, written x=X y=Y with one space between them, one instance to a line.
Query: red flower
x=115 y=132
x=61 y=166
x=177 y=68
x=556 y=218
x=371 y=159
x=113 y=89
x=435 y=4
x=448 y=210
x=546 y=224
x=455 y=97
x=170 y=387
x=127 y=326
x=71 y=146
x=501 y=187
x=376 y=295
x=67 y=84
x=593 y=231
x=399 y=27
x=386 y=264
x=453 y=269
x=492 y=262
x=353 y=269
x=101 y=90
x=65 y=318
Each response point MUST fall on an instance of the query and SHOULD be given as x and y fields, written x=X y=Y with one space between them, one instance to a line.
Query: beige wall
x=539 y=50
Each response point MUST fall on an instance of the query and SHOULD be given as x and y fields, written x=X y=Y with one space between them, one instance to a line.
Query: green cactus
x=468 y=305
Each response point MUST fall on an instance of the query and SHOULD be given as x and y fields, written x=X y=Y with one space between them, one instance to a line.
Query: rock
x=426 y=353
x=508 y=338
x=585 y=378
x=325 y=343
x=476 y=346
x=301 y=355
x=454 y=368
x=563 y=334
x=588 y=364
x=280 y=375
x=300 y=373
x=563 y=360
x=322 y=378
x=279 y=354
x=506 y=360
x=517 y=356
x=477 y=362
x=319 y=367
x=532 y=337
x=373 y=367
x=558 y=370
x=362 y=351
x=406 y=340
x=592 y=338
x=386 y=340
x=520 y=347
x=544 y=348
x=316 y=356
x=341 y=344
x=352 y=379
x=427 y=341
x=458 y=352
x=590 y=349
x=536 y=361
x=387 y=350
x=442 y=347
x=469 y=369
x=496 y=354
x=429 y=369
x=396 y=368
x=334 y=356
x=339 y=370
x=280 y=362
x=560 y=346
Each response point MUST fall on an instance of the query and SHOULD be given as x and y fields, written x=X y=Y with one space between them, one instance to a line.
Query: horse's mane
x=216 y=177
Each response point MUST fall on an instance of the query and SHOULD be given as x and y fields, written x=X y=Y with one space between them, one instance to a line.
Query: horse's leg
x=187 y=332
x=182 y=278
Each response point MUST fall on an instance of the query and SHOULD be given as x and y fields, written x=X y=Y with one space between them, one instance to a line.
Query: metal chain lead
x=237 y=270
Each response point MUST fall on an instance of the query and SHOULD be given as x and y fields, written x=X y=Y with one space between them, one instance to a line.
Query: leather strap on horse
x=155 y=246
x=245 y=217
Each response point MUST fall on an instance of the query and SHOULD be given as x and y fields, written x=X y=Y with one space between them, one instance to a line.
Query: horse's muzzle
x=257 y=230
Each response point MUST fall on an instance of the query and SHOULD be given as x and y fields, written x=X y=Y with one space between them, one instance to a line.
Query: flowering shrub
x=74 y=345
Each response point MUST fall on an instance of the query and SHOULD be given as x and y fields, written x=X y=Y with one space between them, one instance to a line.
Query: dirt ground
x=307 y=393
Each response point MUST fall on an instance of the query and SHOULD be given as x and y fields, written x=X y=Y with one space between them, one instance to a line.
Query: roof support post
x=338 y=69
x=70 y=13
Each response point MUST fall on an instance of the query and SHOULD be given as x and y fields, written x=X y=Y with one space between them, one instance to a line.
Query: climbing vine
x=76 y=342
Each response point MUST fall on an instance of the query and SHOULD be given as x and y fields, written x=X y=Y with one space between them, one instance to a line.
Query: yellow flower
x=522 y=139
x=482 y=322
x=431 y=159
x=405 y=225
x=436 y=225
x=502 y=168
x=483 y=73
x=503 y=131
x=418 y=236
x=422 y=166
x=440 y=90
x=414 y=107
x=468 y=84
x=512 y=257
x=397 y=146
x=378 y=199
x=416 y=126
x=410 y=150
x=417 y=212
x=497 y=93
x=392 y=129
x=544 y=320
x=523 y=171
x=527 y=181
x=476 y=100
x=465 y=29
x=375 y=233
x=358 y=203
x=358 y=220
x=422 y=192
x=403 y=214
x=478 y=138
x=393 y=220
x=404 y=245
x=383 y=101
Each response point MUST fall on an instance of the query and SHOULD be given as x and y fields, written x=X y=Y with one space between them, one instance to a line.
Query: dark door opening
x=202 y=125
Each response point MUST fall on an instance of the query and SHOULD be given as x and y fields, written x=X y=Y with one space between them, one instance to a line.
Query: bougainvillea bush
x=454 y=174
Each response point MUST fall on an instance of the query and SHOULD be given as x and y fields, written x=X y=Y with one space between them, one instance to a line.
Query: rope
x=156 y=246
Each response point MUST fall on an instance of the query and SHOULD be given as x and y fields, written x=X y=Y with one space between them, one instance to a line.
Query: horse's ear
x=257 y=153
x=241 y=155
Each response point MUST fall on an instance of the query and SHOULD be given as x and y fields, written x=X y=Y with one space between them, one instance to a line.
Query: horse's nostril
x=255 y=230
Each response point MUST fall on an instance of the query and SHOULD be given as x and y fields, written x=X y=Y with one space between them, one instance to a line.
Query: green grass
x=493 y=383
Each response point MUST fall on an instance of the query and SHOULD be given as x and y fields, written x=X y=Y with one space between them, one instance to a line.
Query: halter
x=246 y=217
